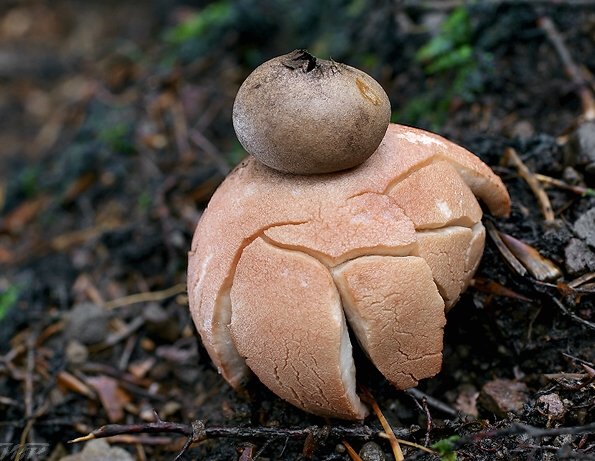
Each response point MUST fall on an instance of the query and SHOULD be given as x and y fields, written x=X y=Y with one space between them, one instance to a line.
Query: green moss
x=456 y=68
x=446 y=448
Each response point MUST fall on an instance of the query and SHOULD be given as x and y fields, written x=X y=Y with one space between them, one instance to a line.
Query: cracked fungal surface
x=281 y=264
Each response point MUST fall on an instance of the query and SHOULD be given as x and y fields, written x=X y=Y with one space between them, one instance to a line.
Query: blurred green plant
x=201 y=23
x=256 y=30
x=451 y=47
x=456 y=68
x=144 y=201
x=8 y=298
x=28 y=180
x=118 y=137
x=236 y=154
x=446 y=448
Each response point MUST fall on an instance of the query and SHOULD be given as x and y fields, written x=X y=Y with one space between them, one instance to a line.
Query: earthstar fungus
x=282 y=263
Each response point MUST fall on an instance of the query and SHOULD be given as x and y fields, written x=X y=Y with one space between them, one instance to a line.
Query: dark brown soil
x=112 y=140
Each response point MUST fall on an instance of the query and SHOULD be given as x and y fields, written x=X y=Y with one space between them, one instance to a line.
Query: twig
x=590 y=370
x=28 y=383
x=580 y=190
x=145 y=297
x=115 y=338
x=352 y=453
x=433 y=402
x=262 y=449
x=198 y=432
x=539 y=267
x=180 y=125
x=29 y=376
x=74 y=384
x=577 y=359
x=511 y=156
x=429 y=423
x=410 y=444
x=126 y=353
x=165 y=219
x=584 y=379
x=531 y=431
x=28 y=428
x=386 y=426
x=572 y=70
x=184 y=448
x=582 y=279
x=493 y=288
x=510 y=259
x=101 y=368
x=574 y=387
x=207 y=146
x=141 y=439
x=572 y=315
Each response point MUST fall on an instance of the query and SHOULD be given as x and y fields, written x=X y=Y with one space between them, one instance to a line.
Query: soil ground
x=113 y=136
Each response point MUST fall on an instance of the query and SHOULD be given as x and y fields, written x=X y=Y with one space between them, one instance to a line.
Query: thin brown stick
x=572 y=69
x=141 y=439
x=531 y=431
x=509 y=258
x=582 y=279
x=433 y=402
x=145 y=297
x=209 y=148
x=429 y=423
x=352 y=453
x=511 y=156
x=572 y=315
x=410 y=444
x=199 y=432
x=184 y=449
x=580 y=190
x=28 y=383
x=115 y=338
x=29 y=376
x=385 y=425
x=180 y=127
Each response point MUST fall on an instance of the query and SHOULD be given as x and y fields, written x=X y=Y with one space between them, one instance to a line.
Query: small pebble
x=99 y=450
x=578 y=257
x=563 y=439
x=503 y=395
x=522 y=130
x=371 y=451
x=76 y=352
x=585 y=227
x=171 y=407
x=553 y=405
x=88 y=323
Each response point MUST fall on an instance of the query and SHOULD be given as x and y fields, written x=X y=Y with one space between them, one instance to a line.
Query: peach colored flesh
x=277 y=261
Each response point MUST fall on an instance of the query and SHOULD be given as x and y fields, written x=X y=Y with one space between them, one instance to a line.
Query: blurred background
x=89 y=88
